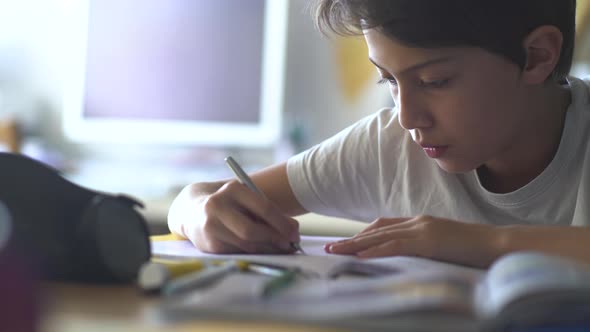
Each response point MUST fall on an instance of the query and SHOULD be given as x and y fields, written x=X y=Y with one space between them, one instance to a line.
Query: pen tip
x=297 y=247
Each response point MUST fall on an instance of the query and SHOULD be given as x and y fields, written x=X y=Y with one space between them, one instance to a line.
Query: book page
x=530 y=275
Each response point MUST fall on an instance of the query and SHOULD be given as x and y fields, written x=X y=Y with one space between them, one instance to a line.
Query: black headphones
x=70 y=232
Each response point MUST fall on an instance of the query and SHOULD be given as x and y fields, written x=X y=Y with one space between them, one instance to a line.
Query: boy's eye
x=435 y=83
x=384 y=80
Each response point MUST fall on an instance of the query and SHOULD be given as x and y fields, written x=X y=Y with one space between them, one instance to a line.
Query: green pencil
x=278 y=283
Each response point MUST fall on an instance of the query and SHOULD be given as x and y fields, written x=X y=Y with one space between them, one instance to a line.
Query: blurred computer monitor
x=185 y=72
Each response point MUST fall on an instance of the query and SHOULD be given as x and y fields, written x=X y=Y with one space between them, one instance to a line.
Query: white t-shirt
x=374 y=169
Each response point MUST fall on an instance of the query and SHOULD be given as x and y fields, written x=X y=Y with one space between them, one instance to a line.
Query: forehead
x=391 y=54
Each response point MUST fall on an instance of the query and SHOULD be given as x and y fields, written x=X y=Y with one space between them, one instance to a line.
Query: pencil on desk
x=245 y=180
x=154 y=274
x=202 y=278
x=278 y=283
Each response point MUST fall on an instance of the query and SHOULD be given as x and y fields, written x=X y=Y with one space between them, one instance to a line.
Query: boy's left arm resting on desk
x=463 y=243
x=567 y=241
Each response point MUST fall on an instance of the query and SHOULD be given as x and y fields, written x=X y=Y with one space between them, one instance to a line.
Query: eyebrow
x=418 y=65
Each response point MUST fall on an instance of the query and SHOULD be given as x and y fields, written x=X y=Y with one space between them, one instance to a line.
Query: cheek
x=480 y=125
x=473 y=125
x=486 y=108
x=482 y=130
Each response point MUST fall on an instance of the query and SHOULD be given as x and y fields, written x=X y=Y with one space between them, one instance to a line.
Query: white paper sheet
x=323 y=298
x=316 y=260
x=313 y=246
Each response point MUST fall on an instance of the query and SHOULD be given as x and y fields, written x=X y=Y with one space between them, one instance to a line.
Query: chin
x=455 y=167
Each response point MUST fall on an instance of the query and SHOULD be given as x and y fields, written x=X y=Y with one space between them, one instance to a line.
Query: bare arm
x=567 y=241
x=463 y=243
x=225 y=216
x=273 y=181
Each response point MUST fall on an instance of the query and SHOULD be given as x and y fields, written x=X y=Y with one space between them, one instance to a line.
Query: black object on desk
x=70 y=232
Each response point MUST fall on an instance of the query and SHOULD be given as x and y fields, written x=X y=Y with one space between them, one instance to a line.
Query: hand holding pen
x=227 y=217
x=245 y=180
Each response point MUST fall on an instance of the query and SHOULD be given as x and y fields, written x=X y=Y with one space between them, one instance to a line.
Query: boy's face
x=464 y=106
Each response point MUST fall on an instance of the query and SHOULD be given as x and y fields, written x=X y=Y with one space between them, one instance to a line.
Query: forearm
x=564 y=241
x=274 y=182
x=477 y=245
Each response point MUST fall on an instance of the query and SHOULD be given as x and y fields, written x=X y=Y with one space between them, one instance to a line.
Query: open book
x=519 y=289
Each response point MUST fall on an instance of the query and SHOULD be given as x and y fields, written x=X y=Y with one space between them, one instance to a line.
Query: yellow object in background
x=354 y=68
x=582 y=14
x=582 y=49
x=176 y=268
x=166 y=237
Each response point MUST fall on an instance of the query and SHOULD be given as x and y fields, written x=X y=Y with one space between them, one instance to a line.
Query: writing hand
x=230 y=218
x=424 y=236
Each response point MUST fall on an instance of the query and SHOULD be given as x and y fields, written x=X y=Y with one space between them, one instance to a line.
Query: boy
x=485 y=152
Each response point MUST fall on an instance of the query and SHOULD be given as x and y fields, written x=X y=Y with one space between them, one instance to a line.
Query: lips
x=434 y=151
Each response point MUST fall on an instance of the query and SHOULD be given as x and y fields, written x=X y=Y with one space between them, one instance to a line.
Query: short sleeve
x=342 y=176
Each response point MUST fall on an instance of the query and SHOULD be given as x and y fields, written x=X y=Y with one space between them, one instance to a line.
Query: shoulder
x=365 y=141
x=580 y=90
x=372 y=137
x=381 y=124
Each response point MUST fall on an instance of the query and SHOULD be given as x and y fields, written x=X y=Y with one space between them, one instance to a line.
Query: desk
x=92 y=308
x=89 y=308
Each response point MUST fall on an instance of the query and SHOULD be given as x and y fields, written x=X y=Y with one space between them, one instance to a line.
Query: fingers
x=236 y=220
x=360 y=243
x=379 y=231
x=216 y=238
x=392 y=230
x=243 y=229
x=383 y=222
x=261 y=209
x=398 y=247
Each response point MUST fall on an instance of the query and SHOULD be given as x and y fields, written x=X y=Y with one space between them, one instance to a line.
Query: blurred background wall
x=316 y=95
x=329 y=85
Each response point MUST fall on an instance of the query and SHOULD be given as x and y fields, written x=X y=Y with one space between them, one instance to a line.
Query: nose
x=413 y=111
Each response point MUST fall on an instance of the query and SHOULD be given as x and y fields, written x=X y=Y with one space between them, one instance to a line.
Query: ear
x=543 y=49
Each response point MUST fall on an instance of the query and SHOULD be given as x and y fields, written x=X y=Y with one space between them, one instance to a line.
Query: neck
x=535 y=146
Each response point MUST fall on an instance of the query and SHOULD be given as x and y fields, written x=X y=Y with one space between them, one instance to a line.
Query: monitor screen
x=187 y=72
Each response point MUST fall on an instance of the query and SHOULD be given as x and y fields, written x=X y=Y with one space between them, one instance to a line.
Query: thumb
x=294 y=229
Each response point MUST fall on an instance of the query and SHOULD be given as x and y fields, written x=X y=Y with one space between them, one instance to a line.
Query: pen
x=245 y=179
x=202 y=278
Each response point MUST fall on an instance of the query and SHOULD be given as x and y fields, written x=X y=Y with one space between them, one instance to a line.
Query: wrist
x=491 y=243
x=499 y=240
x=506 y=239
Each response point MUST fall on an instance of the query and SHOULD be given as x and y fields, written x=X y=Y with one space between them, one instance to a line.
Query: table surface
x=79 y=307
x=89 y=308
x=70 y=307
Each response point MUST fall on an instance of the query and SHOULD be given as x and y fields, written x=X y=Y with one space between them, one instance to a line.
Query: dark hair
x=498 y=26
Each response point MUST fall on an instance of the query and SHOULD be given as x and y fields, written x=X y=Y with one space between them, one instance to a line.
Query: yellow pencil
x=155 y=274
